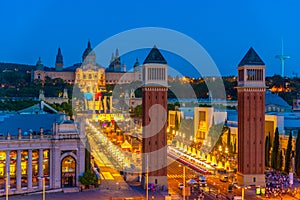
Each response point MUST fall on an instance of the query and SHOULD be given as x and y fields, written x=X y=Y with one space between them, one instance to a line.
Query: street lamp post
x=6 y=186
x=183 y=190
x=44 y=189
x=147 y=179
x=183 y=182
x=243 y=193
x=43 y=186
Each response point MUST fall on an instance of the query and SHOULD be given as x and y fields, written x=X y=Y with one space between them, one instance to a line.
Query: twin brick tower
x=154 y=105
x=251 y=119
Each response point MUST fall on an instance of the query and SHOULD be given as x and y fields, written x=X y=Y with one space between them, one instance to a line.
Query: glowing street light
x=226 y=150
x=44 y=186
x=183 y=191
x=6 y=186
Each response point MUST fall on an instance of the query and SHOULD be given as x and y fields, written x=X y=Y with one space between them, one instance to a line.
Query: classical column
x=41 y=161
x=7 y=167
x=29 y=170
x=19 y=171
x=50 y=166
x=55 y=172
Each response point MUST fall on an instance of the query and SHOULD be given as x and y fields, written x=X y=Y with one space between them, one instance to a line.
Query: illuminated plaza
x=151 y=100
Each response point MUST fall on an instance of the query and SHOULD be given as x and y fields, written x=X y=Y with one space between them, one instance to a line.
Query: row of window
x=156 y=73
x=90 y=76
x=254 y=97
x=163 y=97
x=24 y=167
x=251 y=75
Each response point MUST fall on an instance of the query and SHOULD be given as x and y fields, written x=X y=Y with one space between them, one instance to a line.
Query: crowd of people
x=273 y=191
x=276 y=183
x=201 y=195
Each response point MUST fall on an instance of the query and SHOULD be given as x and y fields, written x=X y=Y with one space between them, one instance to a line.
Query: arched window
x=68 y=171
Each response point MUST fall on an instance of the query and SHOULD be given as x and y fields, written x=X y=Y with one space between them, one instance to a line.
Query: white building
x=33 y=146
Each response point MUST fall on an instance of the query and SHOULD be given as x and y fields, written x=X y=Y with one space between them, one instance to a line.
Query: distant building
x=116 y=76
x=90 y=79
x=63 y=97
x=67 y=74
x=296 y=103
x=172 y=118
x=131 y=100
x=275 y=103
x=115 y=73
x=204 y=118
x=115 y=64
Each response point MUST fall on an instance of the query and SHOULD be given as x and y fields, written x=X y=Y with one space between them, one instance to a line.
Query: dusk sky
x=226 y=29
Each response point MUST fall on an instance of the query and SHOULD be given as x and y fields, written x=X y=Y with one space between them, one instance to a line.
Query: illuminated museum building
x=30 y=153
x=115 y=73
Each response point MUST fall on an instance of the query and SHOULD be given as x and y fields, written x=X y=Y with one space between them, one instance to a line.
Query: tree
x=288 y=154
x=172 y=106
x=280 y=164
x=297 y=156
x=267 y=144
x=88 y=178
x=275 y=151
x=137 y=111
x=268 y=147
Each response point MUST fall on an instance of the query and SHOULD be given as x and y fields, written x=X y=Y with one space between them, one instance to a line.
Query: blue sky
x=226 y=29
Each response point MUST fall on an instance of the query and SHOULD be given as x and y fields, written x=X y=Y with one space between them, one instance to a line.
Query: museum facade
x=52 y=156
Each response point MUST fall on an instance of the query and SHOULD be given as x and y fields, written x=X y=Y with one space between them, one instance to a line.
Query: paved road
x=98 y=194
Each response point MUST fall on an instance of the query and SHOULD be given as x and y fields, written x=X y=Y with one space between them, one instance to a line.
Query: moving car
x=202 y=181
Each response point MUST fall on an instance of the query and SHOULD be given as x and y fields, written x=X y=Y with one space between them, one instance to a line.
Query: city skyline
x=198 y=151
x=226 y=31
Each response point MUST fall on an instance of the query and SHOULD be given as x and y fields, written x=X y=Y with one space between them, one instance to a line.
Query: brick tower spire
x=154 y=104
x=251 y=120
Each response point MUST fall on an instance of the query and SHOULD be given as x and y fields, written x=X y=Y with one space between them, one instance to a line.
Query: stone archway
x=68 y=171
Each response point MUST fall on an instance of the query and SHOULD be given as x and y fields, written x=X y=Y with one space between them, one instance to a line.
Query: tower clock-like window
x=157 y=74
x=250 y=74
x=254 y=75
x=241 y=75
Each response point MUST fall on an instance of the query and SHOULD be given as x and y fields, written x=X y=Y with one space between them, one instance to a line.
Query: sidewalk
x=96 y=194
